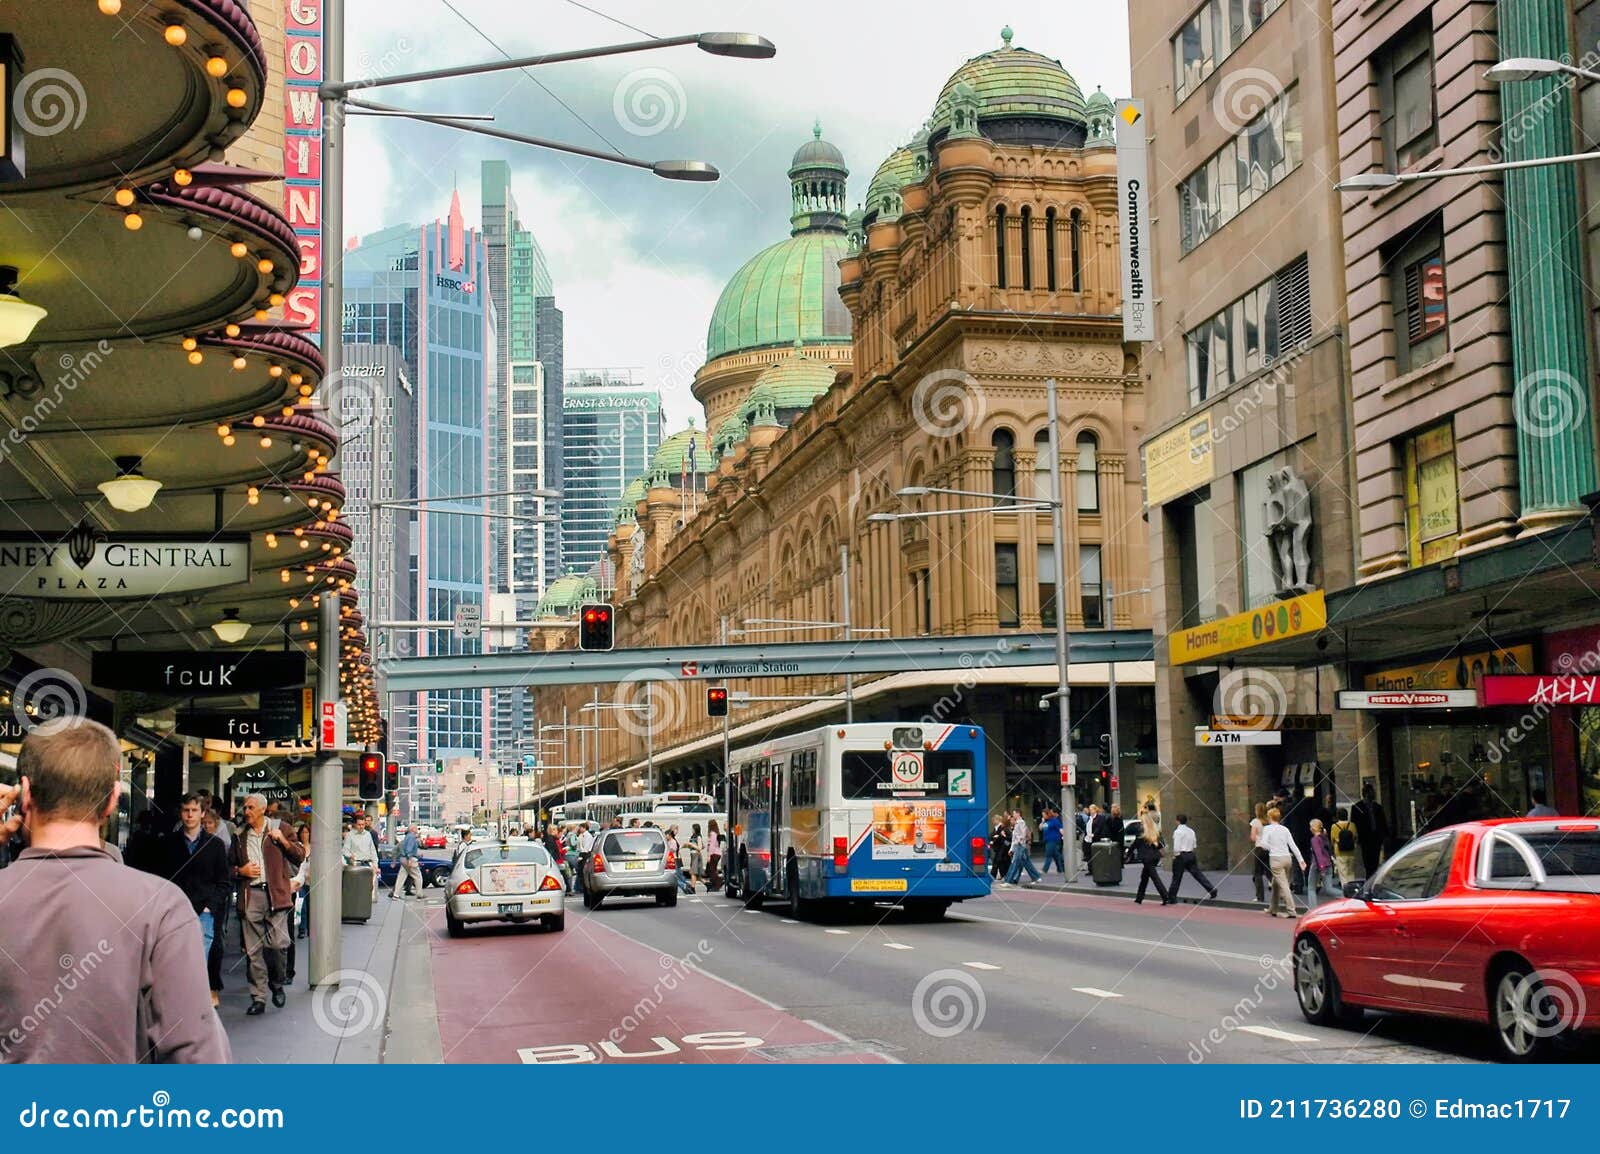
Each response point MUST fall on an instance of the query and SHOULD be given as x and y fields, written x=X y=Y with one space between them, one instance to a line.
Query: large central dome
x=789 y=291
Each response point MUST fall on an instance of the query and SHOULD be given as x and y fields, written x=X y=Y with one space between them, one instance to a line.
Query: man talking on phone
x=102 y=962
x=264 y=861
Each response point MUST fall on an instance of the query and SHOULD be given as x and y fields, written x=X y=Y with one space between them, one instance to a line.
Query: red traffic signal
x=716 y=701
x=391 y=778
x=369 y=782
x=594 y=628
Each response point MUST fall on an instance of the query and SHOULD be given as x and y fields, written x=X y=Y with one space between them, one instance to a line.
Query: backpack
x=1347 y=838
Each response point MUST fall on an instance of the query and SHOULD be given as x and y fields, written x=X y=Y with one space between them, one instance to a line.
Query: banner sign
x=1408 y=698
x=235 y=725
x=302 y=159
x=1178 y=461
x=1133 y=207
x=1237 y=737
x=1294 y=617
x=191 y=673
x=1456 y=671
x=85 y=564
x=908 y=830
x=1287 y=723
x=1523 y=689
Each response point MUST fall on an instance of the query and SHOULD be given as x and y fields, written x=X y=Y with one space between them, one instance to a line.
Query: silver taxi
x=504 y=881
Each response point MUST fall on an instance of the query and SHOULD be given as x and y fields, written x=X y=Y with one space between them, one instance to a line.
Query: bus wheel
x=924 y=910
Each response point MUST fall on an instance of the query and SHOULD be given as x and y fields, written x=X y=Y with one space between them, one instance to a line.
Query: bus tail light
x=841 y=854
x=599 y=862
x=467 y=887
x=980 y=853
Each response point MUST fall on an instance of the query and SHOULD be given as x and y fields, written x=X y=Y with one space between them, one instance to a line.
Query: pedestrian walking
x=713 y=855
x=1053 y=844
x=1021 y=858
x=1110 y=828
x=1000 y=847
x=219 y=829
x=360 y=850
x=1346 y=845
x=1282 y=852
x=1541 y=807
x=1261 y=868
x=264 y=861
x=405 y=863
x=1184 y=859
x=1321 y=868
x=198 y=865
x=1372 y=828
x=1091 y=830
x=585 y=851
x=696 y=845
x=127 y=940
x=1147 y=848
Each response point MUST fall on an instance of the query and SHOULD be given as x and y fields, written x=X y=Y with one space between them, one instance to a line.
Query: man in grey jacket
x=87 y=939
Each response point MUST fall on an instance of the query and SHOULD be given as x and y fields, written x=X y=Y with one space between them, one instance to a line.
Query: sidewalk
x=383 y=967
x=1234 y=890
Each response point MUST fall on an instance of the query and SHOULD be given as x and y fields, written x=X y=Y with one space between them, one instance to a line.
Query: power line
x=614 y=20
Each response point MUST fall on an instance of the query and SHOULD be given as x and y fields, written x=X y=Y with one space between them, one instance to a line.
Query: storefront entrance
x=1443 y=770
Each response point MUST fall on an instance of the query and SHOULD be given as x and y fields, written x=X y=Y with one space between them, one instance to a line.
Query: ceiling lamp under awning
x=230 y=629
x=129 y=491
x=17 y=316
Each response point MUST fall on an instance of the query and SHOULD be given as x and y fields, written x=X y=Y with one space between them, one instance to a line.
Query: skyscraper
x=549 y=335
x=611 y=429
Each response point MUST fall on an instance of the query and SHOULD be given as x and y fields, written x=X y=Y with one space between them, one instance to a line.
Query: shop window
x=1420 y=297
x=1089 y=585
x=1088 y=474
x=1005 y=586
x=1005 y=465
x=1047 y=586
x=1404 y=70
x=1433 y=507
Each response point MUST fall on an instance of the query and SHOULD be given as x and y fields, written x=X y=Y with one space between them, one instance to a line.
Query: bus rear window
x=862 y=771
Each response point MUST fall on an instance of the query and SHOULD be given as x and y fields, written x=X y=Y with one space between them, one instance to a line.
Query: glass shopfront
x=1464 y=765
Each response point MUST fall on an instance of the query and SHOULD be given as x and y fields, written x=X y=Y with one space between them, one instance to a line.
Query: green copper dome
x=566 y=593
x=883 y=194
x=1018 y=85
x=786 y=292
x=817 y=153
x=671 y=457
x=729 y=433
x=792 y=383
x=627 y=504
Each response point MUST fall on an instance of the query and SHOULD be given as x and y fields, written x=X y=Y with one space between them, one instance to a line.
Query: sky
x=638 y=262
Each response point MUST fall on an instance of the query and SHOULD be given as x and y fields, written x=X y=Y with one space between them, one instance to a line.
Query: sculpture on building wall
x=636 y=561
x=1288 y=530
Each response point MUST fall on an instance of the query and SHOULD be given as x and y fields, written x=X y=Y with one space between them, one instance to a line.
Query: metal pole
x=597 y=739
x=650 y=744
x=566 y=753
x=726 y=775
x=1069 y=800
x=849 y=679
x=327 y=778
x=1111 y=684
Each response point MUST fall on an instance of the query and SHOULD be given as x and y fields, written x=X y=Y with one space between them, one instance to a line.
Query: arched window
x=1005 y=463
x=1050 y=249
x=1088 y=474
x=1077 y=251
x=1027 y=247
x=1000 y=246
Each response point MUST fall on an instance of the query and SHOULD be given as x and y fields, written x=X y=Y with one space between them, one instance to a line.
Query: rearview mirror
x=1355 y=889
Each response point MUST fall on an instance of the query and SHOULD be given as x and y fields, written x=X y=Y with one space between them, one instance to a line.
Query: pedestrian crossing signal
x=369 y=782
x=594 y=628
x=716 y=701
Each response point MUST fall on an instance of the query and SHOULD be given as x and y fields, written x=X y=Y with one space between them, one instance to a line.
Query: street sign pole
x=1069 y=797
x=1111 y=685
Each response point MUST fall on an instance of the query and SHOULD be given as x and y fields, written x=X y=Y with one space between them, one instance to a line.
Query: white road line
x=836 y=931
x=697 y=899
x=1179 y=946
x=1276 y=1035
x=703 y=972
x=1095 y=993
x=832 y=1033
x=979 y=966
x=897 y=946
x=787 y=922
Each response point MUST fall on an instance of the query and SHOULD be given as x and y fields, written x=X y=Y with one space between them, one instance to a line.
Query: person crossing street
x=1021 y=859
x=1184 y=859
x=405 y=862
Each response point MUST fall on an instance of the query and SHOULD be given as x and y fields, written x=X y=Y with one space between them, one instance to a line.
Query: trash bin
x=1105 y=863
x=356 y=905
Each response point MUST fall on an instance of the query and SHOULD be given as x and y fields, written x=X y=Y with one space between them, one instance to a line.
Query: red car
x=433 y=841
x=1495 y=922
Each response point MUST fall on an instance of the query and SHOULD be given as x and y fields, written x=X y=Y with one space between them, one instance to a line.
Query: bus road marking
x=897 y=946
x=836 y=931
x=1095 y=993
x=979 y=966
x=1276 y=1035
x=787 y=922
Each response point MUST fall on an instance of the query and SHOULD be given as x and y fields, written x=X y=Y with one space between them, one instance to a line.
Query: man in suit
x=264 y=860
x=1110 y=827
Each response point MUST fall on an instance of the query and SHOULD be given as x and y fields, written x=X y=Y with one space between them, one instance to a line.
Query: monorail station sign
x=84 y=564
x=194 y=673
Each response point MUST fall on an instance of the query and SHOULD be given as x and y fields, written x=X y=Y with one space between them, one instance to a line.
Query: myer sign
x=85 y=564
x=1133 y=205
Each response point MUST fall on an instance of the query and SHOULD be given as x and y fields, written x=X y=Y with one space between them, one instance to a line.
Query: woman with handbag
x=1147 y=847
x=1261 y=867
x=713 y=855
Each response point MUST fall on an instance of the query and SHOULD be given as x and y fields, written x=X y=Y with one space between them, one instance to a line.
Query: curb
x=1115 y=892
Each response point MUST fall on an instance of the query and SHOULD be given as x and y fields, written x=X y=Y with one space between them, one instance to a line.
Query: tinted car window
x=1411 y=875
x=634 y=843
x=493 y=855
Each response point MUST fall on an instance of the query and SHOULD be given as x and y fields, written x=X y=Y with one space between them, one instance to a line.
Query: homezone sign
x=83 y=565
x=191 y=673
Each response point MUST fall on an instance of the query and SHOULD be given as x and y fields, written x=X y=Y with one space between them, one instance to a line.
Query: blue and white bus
x=878 y=812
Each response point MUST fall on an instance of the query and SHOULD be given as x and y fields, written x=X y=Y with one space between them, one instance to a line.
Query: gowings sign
x=85 y=564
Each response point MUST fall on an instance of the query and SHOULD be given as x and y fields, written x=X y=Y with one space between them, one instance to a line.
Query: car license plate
x=948 y=867
x=636 y=865
x=511 y=907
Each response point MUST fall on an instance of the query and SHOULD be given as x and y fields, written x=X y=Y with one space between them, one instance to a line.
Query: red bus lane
x=589 y=994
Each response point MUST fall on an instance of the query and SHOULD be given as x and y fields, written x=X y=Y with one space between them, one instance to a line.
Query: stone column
x=1028 y=545
x=982 y=602
x=1549 y=342
x=1114 y=559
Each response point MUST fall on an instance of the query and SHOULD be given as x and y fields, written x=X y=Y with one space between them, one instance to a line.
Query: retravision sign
x=85 y=564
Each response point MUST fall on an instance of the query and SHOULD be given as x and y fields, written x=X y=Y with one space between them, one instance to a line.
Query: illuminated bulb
x=239 y=249
x=283 y=575
x=240 y=364
x=304 y=544
x=272 y=540
x=176 y=35
x=312 y=646
x=266 y=442
x=305 y=390
x=326 y=505
x=223 y=430
x=229 y=441
x=288 y=410
x=261 y=314
x=310 y=477
x=183 y=178
x=133 y=222
x=295 y=378
x=124 y=197
x=322 y=458
x=294 y=603
x=217 y=67
x=275 y=299
x=236 y=98
x=325 y=546
x=232 y=330
x=253 y=495
x=258 y=420
x=312 y=501
x=305 y=626
x=196 y=357
x=312 y=454
x=299 y=531
x=274 y=371
x=263 y=265
x=111 y=7
x=309 y=578
x=189 y=344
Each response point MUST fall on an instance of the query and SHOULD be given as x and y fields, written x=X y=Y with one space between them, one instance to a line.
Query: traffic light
x=716 y=701
x=1105 y=750
x=438 y=766
x=369 y=784
x=391 y=778
x=594 y=628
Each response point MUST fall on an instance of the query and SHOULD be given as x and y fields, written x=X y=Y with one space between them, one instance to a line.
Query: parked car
x=496 y=881
x=433 y=839
x=434 y=869
x=1495 y=922
x=630 y=863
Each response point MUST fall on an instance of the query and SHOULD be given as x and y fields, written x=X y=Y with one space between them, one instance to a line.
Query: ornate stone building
x=906 y=343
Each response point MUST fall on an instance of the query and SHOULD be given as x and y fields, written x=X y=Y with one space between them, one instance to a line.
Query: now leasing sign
x=85 y=565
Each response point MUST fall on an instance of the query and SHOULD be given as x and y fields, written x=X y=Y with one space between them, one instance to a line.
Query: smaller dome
x=729 y=433
x=883 y=194
x=672 y=456
x=627 y=504
x=1013 y=84
x=1099 y=99
x=796 y=381
x=566 y=593
x=817 y=153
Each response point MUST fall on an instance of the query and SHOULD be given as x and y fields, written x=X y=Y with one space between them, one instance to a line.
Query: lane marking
x=697 y=899
x=1179 y=946
x=697 y=969
x=836 y=931
x=1276 y=1035
x=787 y=922
x=1095 y=993
x=979 y=966
x=897 y=946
